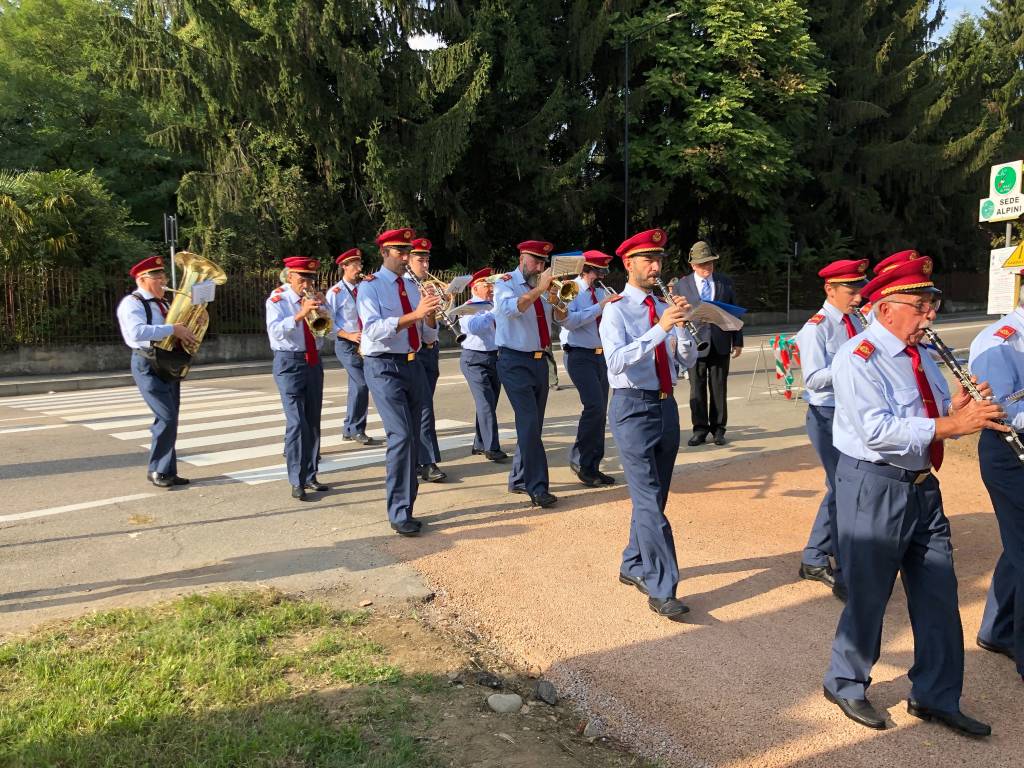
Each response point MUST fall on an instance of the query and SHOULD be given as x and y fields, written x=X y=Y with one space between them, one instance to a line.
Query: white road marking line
x=103 y=396
x=32 y=428
x=105 y=420
x=29 y=399
x=270 y=449
x=206 y=426
x=255 y=406
x=252 y=434
x=73 y=507
x=113 y=410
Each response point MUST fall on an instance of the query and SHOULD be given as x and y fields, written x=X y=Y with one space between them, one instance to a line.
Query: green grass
x=208 y=681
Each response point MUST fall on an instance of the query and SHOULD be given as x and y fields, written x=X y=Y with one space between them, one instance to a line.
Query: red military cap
x=596 y=259
x=901 y=257
x=421 y=245
x=351 y=253
x=302 y=264
x=149 y=264
x=396 y=237
x=914 y=276
x=539 y=248
x=479 y=275
x=845 y=271
x=651 y=241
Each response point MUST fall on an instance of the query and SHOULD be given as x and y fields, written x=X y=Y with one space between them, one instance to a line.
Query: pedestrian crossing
x=220 y=428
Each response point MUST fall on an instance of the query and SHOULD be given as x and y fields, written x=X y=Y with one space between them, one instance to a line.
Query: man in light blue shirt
x=893 y=410
x=997 y=356
x=523 y=313
x=341 y=301
x=818 y=341
x=479 y=364
x=396 y=320
x=644 y=342
x=429 y=358
x=584 y=360
x=139 y=316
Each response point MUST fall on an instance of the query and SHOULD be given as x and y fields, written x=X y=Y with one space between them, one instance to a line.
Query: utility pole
x=171 y=237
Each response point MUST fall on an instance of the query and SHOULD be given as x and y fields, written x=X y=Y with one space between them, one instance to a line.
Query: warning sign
x=1016 y=258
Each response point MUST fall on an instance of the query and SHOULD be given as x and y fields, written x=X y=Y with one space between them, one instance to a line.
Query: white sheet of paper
x=202 y=293
x=565 y=266
x=472 y=309
x=1000 y=283
x=458 y=285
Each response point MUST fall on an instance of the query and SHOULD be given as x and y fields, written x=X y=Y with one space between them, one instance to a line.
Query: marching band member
x=893 y=411
x=429 y=358
x=396 y=319
x=139 y=315
x=584 y=360
x=997 y=356
x=479 y=364
x=341 y=301
x=522 y=333
x=298 y=372
x=818 y=342
x=643 y=339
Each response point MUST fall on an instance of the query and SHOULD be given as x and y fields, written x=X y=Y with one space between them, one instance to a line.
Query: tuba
x=173 y=358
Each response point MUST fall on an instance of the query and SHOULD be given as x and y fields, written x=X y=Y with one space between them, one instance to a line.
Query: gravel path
x=740 y=683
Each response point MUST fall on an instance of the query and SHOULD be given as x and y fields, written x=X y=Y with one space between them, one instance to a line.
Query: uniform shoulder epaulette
x=368 y=278
x=336 y=289
x=864 y=350
x=1006 y=332
x=275 y=298
x=816 y=319
x=506 y=277
x=616 y=297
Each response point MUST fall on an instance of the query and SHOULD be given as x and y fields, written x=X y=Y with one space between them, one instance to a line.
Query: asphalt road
x=81 y=528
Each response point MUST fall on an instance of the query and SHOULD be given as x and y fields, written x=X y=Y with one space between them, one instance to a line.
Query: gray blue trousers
x=302 y=392
x=397 y=387
x=164 y=400
x=1003 y=621
x=822 y=541
x=358 y=399
x=481 y=372
x=646 y=432
x=429 y=361
x=589 y=374
x=889 y=525
x=525 y=380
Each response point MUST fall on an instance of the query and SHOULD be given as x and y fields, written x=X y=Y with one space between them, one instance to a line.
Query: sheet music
x=203 y=293
x=566 y=264
x=459 y=284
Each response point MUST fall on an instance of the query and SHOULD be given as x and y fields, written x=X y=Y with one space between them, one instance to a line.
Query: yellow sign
x=1016 y=258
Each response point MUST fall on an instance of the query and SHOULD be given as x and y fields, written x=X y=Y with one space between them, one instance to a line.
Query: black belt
x=593 y=351
x=510 y=351
x=405 y=357
x=429 y=345
x=649 y=395
x=888 y=470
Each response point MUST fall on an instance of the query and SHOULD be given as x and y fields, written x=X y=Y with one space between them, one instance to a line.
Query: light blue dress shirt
x=131 y=316
x=629 y=342
x=380 y=309
x=1000 y=362
x=818 y=344
x=479 y=328
x=879 y=415
x=343 y=307
x=285 y=334
x=579 y=329
x=515 y=329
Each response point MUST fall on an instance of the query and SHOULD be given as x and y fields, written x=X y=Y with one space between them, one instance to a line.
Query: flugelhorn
x=319 y=320
x=701 y=345
x=565 y=291
x=445 y=318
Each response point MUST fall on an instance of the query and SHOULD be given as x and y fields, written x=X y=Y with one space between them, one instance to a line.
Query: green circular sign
x=1006 y=179
x=987 y=209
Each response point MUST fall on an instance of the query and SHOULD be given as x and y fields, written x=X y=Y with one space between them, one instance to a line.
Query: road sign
x=1016 y=258
x=1005 y=201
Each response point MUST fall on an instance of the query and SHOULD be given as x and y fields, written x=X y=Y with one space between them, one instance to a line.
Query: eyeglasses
x=921 y=307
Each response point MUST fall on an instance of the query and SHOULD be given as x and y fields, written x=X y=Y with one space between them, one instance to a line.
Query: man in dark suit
x=708 y=377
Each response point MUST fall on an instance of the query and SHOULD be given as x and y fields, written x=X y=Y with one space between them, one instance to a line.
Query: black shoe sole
x=826 y=580
x=930 y=717
x=638 y=585
x=874 y=725
x=673 y=616
x=992 y=648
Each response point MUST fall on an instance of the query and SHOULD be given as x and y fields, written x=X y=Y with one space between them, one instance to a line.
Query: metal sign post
x=171 y=237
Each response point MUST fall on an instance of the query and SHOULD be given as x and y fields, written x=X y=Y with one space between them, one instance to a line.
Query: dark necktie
x=312 y=355
x=542 y=325
x=593 y=296
x=355 y=295
x=660 y=353
x=935 y=450
x=414 y=335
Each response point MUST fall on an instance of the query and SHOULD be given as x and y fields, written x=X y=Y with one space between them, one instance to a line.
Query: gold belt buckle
x=429 y=346
x=538 y=355
x=410 y=357
x=663 y=395
x=922 y=477
x=599 y=351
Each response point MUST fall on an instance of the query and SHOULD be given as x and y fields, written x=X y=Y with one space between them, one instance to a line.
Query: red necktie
x=660 y=353
x=593 y=296
x=850 y=330
x=414 y=335
x=312 y=356
x=542 y=325
x=935 y=450
x=355 y=295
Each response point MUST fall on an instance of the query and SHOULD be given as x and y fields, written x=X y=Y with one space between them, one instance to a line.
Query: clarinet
x=855 y=311
x=448 y=322
x=964 y=377
x=688 y=324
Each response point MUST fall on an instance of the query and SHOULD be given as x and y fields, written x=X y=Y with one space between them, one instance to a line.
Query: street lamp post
x=625 y=101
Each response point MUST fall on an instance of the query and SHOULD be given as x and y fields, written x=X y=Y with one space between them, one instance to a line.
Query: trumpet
x=434 y=284
x=608 y=291
x=688 y=324
x=319 y=320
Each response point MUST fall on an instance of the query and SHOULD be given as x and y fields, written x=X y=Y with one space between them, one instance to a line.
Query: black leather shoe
x=957 y=721
x=633 y=581
x=859 y=710
x=407 y=528
x=176 y=480
x=496 y=455
x=822 y=573
x=697 y=439
x=431 y=473
x=720 y=438
x=315 y=485
x=839 y=592
x=544 y=499
x=519 y=489
x=669 y=607
x=993 y=648
x=298 y=492
x=161 y=480
x=605 y=479
x=589 y=480
x=360 y=437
